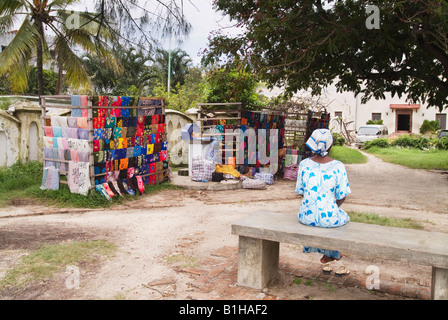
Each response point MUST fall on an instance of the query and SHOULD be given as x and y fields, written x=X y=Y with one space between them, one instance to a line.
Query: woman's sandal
x=327 y=268
x=342 y=271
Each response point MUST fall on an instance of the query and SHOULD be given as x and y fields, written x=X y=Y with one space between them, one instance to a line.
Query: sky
x=202 y=17
x=203 y=20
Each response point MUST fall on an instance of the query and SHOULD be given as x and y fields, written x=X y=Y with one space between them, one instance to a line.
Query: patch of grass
x=50 y=258
x=413 y=158
x=23 y=181
x=347 y=155
x=373 y=218
x=182 y=261
x=17 y=179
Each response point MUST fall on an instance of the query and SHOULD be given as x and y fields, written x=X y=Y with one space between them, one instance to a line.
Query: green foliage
x=411 y=141
x=429 y=126
x=187 y=95
x=338 y=139
x=30 y=46
x=309 y=44
x=5 y=86
x=179 y=67
x=441 y=144
x=379 y=121
x=232 y=86
x=50 y=81
x=379 y=143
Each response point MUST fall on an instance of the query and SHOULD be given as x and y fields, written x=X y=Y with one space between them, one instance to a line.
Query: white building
x=398 y=115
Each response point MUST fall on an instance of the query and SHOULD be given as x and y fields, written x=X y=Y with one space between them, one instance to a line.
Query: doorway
x=403 y=121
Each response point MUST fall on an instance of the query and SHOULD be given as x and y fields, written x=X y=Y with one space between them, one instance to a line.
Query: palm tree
x=180 y=63
x=137 y=73
x=30 y=44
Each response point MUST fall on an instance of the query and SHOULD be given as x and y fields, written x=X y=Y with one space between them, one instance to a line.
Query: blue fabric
x=321 y=184
x=76 y=100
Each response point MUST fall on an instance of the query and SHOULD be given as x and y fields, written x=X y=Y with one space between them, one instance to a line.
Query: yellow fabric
x=227 y=169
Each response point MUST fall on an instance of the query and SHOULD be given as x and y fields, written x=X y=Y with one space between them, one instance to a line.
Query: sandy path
x=193 y=224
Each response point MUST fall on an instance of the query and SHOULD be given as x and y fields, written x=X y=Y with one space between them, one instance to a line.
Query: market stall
x=115 y=144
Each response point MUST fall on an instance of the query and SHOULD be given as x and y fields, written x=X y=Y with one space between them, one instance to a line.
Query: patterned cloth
x=321 y=184
x=202 y=169
x=267 y=178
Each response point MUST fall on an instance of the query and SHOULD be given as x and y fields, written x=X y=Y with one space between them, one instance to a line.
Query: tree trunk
x=40 y=60
x=60 y=78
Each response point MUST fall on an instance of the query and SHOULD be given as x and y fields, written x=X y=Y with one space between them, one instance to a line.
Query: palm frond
x=9 y=7
x=20 y=47
x=61 y=4
x=76 y=75
x=19 y=77
x=93 y=37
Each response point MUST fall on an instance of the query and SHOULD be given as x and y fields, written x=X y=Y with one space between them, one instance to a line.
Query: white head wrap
x=320 y=141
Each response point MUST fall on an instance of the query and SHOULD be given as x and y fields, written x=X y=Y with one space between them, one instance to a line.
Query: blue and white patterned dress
x=321 y=184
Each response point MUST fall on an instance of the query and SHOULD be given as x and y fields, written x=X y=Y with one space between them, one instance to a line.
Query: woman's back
x=321 y=184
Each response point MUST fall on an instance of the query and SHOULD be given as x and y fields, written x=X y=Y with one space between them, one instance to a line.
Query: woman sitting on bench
x=324 y=185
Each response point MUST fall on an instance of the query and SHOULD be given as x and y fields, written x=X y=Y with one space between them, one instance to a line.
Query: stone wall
x=20 y=133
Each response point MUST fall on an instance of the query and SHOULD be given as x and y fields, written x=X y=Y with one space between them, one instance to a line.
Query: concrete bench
x=261 y=233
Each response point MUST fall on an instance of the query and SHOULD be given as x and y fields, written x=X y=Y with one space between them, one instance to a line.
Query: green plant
x=232 y=86
x=441 y=144
x=411 y=141
x=429 y=126
x=379 y=143
x=338 y=139
x=379 y=121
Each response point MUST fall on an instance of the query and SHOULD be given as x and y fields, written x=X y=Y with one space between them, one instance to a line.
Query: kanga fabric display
x=259 y=121
x=129 y=145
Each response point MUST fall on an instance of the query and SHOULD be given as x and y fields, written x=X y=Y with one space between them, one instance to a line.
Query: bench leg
x=439 y=286
x=257 y=262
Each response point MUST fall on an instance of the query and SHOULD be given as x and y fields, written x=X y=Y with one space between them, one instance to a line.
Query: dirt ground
x=192 y=224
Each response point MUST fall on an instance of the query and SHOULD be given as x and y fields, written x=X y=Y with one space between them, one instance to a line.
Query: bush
x=379 y=143
x=338 y=139
x=441 y=144
x=379 y=121
x=429 y=126
x=410 y=141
